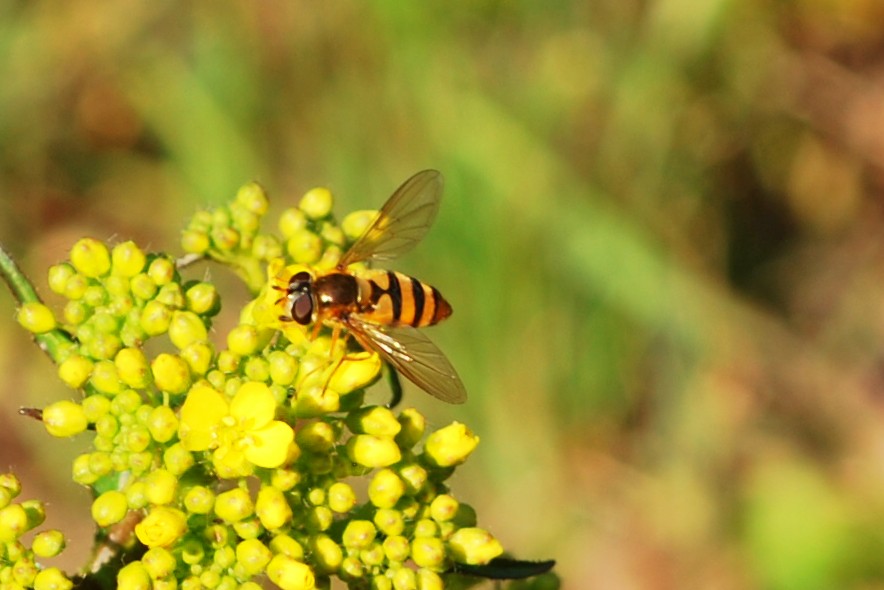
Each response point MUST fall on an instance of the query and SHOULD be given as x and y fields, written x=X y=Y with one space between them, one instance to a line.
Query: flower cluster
x=19 y=566
x=237 y=459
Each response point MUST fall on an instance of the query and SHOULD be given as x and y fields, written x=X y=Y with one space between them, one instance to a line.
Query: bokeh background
x=663 y=236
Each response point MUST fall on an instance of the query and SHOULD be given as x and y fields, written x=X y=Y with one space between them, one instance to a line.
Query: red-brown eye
x=302 y=308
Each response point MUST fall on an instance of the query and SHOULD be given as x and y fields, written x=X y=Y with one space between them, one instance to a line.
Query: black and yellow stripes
x=396 y=299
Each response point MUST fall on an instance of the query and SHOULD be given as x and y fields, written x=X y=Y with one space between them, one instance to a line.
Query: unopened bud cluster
x=236 y=453
x=19 y=562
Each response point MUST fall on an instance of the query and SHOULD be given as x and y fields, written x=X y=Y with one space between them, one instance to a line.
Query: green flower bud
x=304 y=246
x=162 y=424
x=159 y=562
x=443 y=508
x=283 y=367
x=389 y=521
x=316 y=437
x=203 y=299
x=76 y=287
x=253 y=556
x=75 y=370
x=185 y=328
x=375 y=420
x=199 y=500
x=36 y=318
x=341 y=497
x=385 y=488
x=127 y=260
x=76 y=312
x=473 y=546
x=64 y=418
x=257 y=369
x=161 y=527
x=320 y=518
x=160 y=486
x=373 y=451
x=373 y=555
x=133 y=576
x=234 y=505
x=52 y=578
x=171 y=296
x=285 y=545
x=155 y=318
x=58 y=277
x=351 y=568
x=95 y=296
x=327 y=553
x=359 y=534
x=412 y=426
x=450 y=445
x=161 y=271
x=425 y=528
x=332 y=234
x=105 y=377
x=195 y=241
x=316 y=400
x=109 y=508
x=266 y=247
x=272 y=508
x=143 y=287
x=103 y=346
x=48 y=543
x=252 y=198
x=290 y=574
x=135 y=495
x=225 y=238
x=381 y=582
x=428 y=552
x=90 y=257
x=170 y=373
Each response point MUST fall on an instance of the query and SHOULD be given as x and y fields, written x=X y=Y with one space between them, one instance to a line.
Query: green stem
x=54 y=343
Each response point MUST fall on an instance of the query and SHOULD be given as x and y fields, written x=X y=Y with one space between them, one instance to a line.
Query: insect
x=383 y=309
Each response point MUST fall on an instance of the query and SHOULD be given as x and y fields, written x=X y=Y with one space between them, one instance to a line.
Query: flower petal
x=270 y=444
x=253 y=406
x=200 y=416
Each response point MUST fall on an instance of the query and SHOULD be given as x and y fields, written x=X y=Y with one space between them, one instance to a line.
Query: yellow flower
x=241 y=432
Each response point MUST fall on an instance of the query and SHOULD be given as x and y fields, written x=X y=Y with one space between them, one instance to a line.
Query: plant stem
x=54 y=343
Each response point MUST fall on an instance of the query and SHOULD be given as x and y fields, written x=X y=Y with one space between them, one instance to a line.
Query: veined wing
x=402 y=222
x=412 y=354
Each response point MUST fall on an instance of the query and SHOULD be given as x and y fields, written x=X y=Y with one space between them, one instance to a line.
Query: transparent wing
x=412 y=354
x=402 y=222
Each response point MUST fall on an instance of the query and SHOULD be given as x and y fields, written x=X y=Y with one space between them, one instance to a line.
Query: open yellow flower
x=241 y=432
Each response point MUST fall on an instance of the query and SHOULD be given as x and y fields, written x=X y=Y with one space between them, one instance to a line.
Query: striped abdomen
x=392 y=298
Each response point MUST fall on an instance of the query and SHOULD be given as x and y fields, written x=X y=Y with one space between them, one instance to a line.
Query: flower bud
x=450 y=445
x=52 y=578
x=48 y=543
x=234 y=505
x=159 y=562
x=36 y=318
x=161 y=527
x=473 y=546
x=90 y=257
x=253 y=556
x=170 y=373
x=385 y=488
x=375 y=420
x=75 y=370
x=13 y=523
x=316 y=203
x=186 y=328
x=160 y=486
x=412 y=426
x=373 y=451
x=396 y=548
x=127 y=259
x=341 y=497
x=272 y=508
x=64 y=418
x=109 y=508
x=356 y=371
x=290 y=574
x=327 y=553
x=359 y=534
x=355 y=223
x=161 y=271
x=162 y=424
x=304 y=246
x=199 y=500
x=133 y=576
x=428 y=552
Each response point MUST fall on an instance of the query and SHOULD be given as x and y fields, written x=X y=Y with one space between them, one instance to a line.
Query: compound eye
x=302 y=309
x=300 y=277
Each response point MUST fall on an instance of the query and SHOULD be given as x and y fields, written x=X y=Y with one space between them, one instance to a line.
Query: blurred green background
x=663 y=237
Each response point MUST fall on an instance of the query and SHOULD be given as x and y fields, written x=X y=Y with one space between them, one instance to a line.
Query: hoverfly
x=383 y=309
